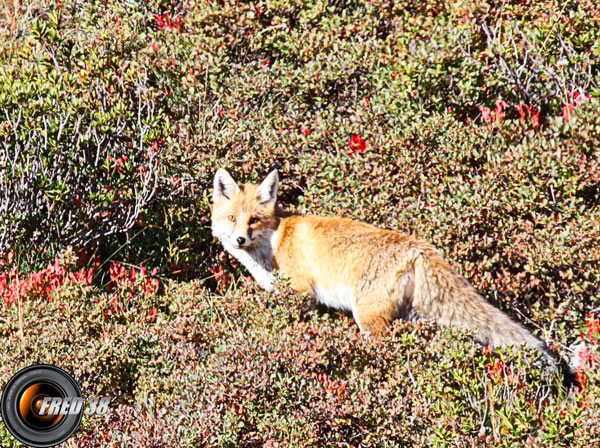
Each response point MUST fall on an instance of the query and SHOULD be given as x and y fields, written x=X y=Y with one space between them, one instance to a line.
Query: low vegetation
x=475 y=125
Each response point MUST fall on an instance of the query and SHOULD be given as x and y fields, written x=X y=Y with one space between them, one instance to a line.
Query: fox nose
x=241 y=240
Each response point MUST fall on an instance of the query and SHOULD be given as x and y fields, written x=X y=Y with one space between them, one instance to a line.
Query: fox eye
x=252 y=221
x=231 y=218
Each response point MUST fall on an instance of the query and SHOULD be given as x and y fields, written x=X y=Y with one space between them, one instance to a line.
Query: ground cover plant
x=475 y=125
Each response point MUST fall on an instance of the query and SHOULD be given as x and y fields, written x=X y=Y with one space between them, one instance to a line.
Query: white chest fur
x=339 y=297
x=258 y=259
x=257 y=262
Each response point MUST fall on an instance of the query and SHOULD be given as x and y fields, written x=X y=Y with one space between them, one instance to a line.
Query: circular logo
x=41 y=406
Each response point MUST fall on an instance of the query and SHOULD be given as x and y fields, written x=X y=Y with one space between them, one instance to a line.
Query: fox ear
x=224 y=187
x=267 y=191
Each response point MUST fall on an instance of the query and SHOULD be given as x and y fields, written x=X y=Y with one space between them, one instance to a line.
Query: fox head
x=243 y=214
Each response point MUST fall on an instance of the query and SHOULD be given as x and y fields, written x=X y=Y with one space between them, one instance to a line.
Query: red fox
x=376 y=274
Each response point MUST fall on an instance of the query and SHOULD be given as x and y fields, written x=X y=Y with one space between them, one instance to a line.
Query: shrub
x=82 y=129
x=190 y=368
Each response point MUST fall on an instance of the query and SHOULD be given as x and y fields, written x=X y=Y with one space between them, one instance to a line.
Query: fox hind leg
x=373 y=316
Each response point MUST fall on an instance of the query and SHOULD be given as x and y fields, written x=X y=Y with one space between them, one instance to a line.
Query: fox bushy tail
x=443 y=295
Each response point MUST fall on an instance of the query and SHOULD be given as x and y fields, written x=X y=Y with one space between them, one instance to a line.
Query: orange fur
x=376 y=274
